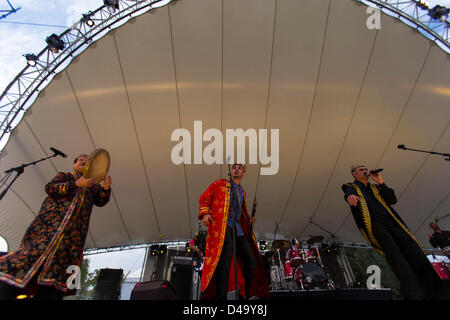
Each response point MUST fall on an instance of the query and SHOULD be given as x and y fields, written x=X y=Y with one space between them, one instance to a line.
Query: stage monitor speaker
x=154 y=290
x=181 y=278
x=109 y=284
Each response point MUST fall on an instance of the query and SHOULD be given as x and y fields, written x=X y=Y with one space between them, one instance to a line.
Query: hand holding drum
x=96 y=170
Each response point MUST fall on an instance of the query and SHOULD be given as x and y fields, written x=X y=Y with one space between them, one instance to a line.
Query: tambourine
x=97 y=165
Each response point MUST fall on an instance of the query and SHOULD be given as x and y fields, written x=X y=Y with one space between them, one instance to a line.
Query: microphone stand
x=236 y=287
x=275 y=232
x=332 y=235
x=402 y=146
x=438 y=219
x=19 y=170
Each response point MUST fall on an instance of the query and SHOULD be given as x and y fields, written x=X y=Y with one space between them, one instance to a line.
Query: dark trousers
x=223 y=267
x=417 y=278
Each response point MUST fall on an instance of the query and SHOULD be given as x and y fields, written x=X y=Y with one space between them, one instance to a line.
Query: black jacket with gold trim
x=361 y=214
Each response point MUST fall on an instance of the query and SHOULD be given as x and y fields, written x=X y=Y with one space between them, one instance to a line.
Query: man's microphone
x=59 y=153
x=374 y=171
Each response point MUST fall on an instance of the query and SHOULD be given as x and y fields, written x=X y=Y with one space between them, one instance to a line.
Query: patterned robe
x=55 y=239
x=216 y=202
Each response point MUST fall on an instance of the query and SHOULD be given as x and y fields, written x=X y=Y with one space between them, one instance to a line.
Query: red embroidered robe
x=216 y=202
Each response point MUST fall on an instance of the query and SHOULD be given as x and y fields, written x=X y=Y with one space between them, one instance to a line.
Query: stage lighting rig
x=262 y=245
x=439 y=13
x=54 y=43
x=31 y=59
x=422 y=4
x=112 y=5
x=154 y=249
x=87 y=19
x=162 y=249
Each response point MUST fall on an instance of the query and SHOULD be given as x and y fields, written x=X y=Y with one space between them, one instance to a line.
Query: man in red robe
x=55 y=239
x=222 y=205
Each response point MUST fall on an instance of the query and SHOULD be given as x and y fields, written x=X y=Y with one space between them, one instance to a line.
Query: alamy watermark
x=213 y=153
x=374 y=20
x=74 y=280
x=374 y=280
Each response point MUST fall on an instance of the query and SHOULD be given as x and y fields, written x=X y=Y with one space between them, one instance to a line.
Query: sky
x=25 y=32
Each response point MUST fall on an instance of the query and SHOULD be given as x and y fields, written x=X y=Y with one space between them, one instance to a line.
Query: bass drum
x=311 y=276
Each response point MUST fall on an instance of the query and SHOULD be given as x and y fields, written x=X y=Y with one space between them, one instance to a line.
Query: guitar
x=250 y=229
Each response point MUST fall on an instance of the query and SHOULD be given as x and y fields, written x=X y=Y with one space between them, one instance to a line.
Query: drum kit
x=301 y=270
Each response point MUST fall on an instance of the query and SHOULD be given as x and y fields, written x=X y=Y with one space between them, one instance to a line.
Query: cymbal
x=282 y=244
x=314 y=239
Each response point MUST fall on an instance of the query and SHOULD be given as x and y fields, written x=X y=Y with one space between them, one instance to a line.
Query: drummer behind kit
x=302 y=269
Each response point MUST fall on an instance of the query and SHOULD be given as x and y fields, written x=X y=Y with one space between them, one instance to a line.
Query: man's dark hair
x=81 y=155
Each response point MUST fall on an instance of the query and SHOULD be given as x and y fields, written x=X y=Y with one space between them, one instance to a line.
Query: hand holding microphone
x=375 y=175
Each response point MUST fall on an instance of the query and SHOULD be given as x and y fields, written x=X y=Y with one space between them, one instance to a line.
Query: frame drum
x=97 y=165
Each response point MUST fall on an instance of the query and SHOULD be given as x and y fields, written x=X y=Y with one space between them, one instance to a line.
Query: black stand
x=236 y=286
x=439 y=219
x=332 y=235
x=19 y=170
x=275 y=232
x=402 y=146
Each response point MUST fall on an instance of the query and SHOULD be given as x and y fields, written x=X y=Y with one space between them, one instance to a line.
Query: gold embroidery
x=379 y=198
x=367 y=221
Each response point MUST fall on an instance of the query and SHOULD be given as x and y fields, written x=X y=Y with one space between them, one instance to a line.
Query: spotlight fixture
x=112 y=5
x=262 y=245
x=422 y=4
x=439 y=13
x=154 y=249
x=162 y=249
x=31 y=59
x=87 y=19
x=54 y=43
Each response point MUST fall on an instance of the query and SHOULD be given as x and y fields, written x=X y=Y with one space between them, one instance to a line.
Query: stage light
x=154 y=249
x=87 y=19
x=439 y=13
x=162 y=249
x=54 y=43
x=31 y=59
x=423 y=5
x=112 y=5
x=262 y=245
x=188 y=249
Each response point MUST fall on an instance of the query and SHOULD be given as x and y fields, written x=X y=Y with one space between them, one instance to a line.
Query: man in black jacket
x=383 y=228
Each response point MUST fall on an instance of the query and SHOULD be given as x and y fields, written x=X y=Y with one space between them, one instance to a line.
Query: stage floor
x=337 y=294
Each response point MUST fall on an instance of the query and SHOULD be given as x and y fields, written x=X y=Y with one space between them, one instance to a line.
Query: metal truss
x=9 y=11
x=176 y=244
x=415 y=15
x=20 y=94
x=169 y=244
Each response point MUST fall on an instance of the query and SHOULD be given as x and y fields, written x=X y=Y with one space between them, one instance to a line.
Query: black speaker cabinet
x=109 y=284
x=154 y=290
x=181 y=278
